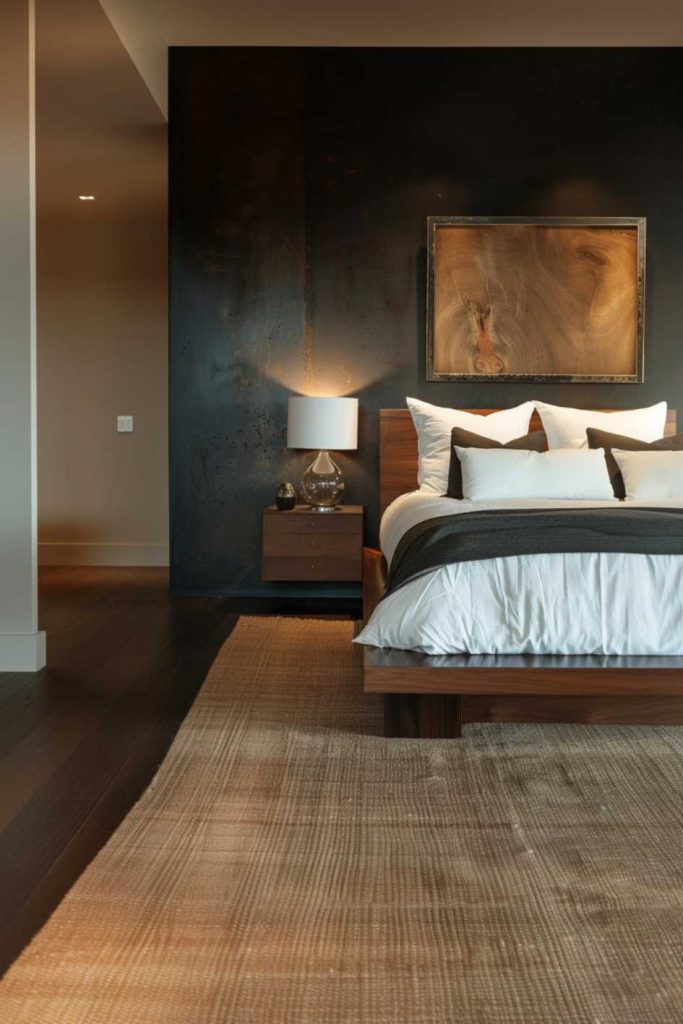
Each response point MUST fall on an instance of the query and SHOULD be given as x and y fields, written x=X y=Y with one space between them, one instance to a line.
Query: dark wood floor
x=80 y=741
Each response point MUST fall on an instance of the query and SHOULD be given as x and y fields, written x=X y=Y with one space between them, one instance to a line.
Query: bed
x=429 y=692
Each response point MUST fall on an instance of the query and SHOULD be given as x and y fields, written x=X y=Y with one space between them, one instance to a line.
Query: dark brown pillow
x=535 y=442
x=603 y=439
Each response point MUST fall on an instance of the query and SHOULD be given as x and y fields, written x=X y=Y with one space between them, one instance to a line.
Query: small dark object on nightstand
x=285 y=498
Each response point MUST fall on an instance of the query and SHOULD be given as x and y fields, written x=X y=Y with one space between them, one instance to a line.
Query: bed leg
x=422 y=715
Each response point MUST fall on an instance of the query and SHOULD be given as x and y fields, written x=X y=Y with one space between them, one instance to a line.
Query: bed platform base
x=430 y=697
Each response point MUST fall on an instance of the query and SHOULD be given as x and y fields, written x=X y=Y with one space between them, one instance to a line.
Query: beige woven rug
x=290 y=866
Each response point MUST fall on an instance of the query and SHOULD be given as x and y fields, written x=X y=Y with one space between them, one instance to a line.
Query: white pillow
x=566 y=428
x=650 y=475
x=492 y=473
x=434 y=423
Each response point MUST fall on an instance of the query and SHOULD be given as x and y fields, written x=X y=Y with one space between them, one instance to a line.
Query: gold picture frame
x=536 y=298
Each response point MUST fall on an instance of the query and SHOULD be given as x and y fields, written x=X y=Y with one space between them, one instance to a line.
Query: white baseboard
x=22 y=652
x=78 y=553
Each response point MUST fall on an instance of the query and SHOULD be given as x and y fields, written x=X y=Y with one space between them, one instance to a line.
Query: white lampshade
x=326 y=423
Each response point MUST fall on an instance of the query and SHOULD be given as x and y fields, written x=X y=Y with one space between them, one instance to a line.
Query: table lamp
x=322 y=423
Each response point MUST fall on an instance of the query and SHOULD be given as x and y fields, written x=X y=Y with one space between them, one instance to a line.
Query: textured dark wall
x=301 y=181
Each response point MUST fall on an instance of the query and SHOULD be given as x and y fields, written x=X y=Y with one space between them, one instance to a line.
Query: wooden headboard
x=398 y=450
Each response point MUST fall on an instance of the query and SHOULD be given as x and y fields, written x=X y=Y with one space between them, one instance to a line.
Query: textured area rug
x=289 y=865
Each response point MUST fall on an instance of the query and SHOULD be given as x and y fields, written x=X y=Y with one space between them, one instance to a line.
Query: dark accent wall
x=301 y=180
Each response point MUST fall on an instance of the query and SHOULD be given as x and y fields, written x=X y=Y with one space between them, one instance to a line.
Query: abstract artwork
x=549 y=299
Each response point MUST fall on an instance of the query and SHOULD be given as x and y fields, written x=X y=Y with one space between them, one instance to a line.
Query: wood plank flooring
x=80 y=741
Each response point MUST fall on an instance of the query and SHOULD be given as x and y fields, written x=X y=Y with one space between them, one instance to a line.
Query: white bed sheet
x=578 y=603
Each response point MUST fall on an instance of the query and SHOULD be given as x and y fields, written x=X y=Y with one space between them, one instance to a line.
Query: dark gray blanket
x=471 y=536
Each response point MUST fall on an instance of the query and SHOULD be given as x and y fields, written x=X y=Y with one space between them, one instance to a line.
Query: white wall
x=102 y=296
x=21 y=646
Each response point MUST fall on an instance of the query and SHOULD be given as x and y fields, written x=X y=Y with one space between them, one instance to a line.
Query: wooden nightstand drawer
x=294 y=545
x=319 y=524
x=315 y=546
x=322 y=569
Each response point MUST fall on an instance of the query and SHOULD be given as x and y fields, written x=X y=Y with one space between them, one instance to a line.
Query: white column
x=22 y=647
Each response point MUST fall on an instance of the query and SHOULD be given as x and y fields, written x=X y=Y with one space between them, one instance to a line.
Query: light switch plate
x=124 y=424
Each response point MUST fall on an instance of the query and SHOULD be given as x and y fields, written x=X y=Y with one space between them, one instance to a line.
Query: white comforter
x=542 y=604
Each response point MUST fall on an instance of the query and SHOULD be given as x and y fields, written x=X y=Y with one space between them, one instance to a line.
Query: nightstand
x=312 y=546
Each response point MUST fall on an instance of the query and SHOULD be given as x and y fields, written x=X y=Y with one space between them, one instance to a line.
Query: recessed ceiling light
x=87 y=199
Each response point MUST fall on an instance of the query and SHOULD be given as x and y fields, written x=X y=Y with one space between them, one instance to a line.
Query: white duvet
x=542 y=604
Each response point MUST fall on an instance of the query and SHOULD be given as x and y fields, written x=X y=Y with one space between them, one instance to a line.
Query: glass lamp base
x=322 y=485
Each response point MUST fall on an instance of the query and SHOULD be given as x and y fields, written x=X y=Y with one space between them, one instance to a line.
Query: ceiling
x=98 y=130
x=148 y=27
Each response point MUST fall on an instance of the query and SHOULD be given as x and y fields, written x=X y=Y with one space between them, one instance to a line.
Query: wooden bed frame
x=434 y=696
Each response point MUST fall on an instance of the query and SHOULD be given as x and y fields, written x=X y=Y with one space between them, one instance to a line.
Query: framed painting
x=542 y=299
